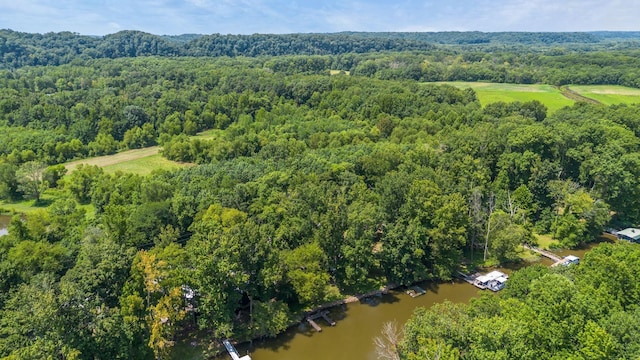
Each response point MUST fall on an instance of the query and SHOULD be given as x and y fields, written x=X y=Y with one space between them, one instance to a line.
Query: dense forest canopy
x=19 y=49
x=318 y=176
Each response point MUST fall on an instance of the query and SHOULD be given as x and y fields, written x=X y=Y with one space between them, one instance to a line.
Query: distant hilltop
x=19 y=49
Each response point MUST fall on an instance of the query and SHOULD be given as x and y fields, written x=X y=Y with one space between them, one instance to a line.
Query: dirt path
x=114 y=159
x=572 y=95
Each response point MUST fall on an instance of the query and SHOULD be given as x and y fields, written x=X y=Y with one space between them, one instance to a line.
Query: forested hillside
x=306 y=187
x=24 y=49
x=19 y=49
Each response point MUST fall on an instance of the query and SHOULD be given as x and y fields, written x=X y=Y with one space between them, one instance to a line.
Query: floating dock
x=233 y=352
x=322 y=314
x=416 y=291
x=314 y=325
x=468 y=278
x=493 y=281
x=568 y=260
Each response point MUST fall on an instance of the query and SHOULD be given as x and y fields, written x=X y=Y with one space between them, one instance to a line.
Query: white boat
x=570 y=260
x=494 y=281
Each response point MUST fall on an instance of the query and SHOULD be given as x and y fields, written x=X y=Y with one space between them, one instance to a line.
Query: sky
x=173 y=17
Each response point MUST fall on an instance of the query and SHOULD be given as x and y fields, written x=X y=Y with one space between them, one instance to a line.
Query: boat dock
x=322 y=314
x=468 y=278
x=416 y=291
x=494 y=281
x=233 y=352
x=557 y=260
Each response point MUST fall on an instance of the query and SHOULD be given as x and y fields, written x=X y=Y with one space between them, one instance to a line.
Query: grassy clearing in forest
x=338 y=72
x=608 y=94
x=138 y=161
x=144 y=165
x=29 y=205
x=546 y=242
x=47 y=198
x=489 y=93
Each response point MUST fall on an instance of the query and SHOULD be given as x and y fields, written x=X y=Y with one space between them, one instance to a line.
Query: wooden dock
x=233 y=352
x=555 y=258
x=468 y=278
x=314 y=325
x=416 y=291
x=321 y=314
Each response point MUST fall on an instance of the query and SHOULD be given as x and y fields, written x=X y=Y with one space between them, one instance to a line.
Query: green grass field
x=337 y=72
x=144 y=165
x=546 y=242
x=46 y=199
x=609 y=94
x=209 y=134
x=139 y=161
x=488 y=93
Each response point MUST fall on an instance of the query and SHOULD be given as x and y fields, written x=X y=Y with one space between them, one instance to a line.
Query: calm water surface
x=4 y=224
x=357 y=324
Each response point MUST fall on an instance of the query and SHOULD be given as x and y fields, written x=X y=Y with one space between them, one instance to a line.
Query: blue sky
x=99 y=17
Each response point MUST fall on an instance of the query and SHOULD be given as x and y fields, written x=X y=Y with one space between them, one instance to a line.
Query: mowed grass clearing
x=489 y=93
x=138 y=161
x=608 y=94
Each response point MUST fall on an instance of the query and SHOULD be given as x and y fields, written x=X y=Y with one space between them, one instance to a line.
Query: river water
x=356 y=326
x=4 y=224
x=358 y=323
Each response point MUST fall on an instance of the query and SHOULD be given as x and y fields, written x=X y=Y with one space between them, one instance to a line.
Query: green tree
x=9 y=185
x=31 y=180
x=596 y=343
x=304 y=270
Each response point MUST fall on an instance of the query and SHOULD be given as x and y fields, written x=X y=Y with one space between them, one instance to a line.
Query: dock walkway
x=233 y=352
x=468 y=278
x=321 y=314
x=555 y=258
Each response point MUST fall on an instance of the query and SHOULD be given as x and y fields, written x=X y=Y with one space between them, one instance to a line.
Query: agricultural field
x=489 y=93
x=608 y=94
x=139 y=161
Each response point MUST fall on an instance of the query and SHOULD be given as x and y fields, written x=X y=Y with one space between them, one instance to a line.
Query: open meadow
x=609 y=94
x=488 y=93
x=138 y=161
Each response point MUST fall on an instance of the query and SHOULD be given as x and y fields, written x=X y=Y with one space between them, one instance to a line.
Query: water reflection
x=357 y=325
x=4 y=224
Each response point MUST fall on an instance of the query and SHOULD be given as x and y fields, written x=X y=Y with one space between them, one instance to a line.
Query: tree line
x=19 y=49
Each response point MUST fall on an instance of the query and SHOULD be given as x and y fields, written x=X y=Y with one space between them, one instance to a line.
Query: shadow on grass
x=42 y=203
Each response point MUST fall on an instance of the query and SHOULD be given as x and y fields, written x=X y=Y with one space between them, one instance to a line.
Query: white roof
x=632 y=233
x=571 y=258
x=494 y=275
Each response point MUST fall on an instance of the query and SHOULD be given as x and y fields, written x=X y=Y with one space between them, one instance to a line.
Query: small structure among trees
x=629 y=234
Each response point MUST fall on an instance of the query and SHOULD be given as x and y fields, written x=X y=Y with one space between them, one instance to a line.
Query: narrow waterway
x=356 y=326
x=4 y=224
x=358 y=323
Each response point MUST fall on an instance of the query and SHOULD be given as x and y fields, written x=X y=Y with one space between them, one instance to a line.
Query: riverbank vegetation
x=581 y=312
x=306 y=186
